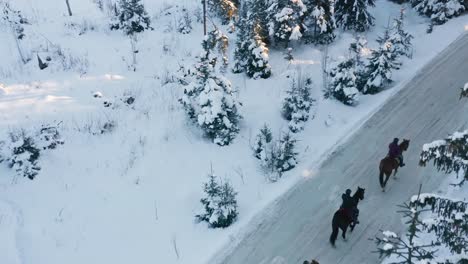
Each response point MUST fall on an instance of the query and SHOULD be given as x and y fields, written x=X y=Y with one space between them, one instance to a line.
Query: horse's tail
x=334 y=233
x=381 y=173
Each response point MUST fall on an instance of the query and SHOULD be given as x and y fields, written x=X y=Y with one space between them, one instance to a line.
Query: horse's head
x=404 y=145
x=359 y=194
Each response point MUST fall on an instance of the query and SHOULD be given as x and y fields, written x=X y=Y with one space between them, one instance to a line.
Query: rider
x=394 y=152
x=349 y=206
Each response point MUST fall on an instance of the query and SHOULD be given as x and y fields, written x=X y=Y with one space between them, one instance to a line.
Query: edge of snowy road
x=268 y=207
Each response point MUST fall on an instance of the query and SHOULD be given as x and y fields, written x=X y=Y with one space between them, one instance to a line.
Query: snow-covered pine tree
x=219 y=203
x=286 y=20
x=448 y=221
x=286 y=157
x=319 y=22
x=13 y=18
x=343 y=83
x=401 y=39
x=353 y=14
x=259 y=15
x=257 y=60
x=448 y=155
x=262 y=141
x=225 y=9
x=297 y=104
x=184 y=25
x=440 y=11
x=381 y=64
x=242 y=42
x=356 y=50
x=407 y=249
x=132 y=17
x=210 y=100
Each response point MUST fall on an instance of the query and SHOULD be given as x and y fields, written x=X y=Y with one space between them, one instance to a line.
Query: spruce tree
x=448 y=155
x=257 y=60
x=132 y=17
x=219 y=203
x=381 y=64
x=353 y=14
x=242 y=41
x=225 y=9
x=343 y=83
x=401 y=39
x=297 y=104
x=262 y=141
x=210 y=100
x=356 y=50
x=286 y=21
x=408 y=249
x=440 y=11
x=319 y=22
x=286 y=158
x=259 y=15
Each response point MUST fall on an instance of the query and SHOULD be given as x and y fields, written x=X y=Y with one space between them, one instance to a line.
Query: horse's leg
x=344 y=231
x=351 y=226
x=396 y=170
x=333 y=235
x=381 y=178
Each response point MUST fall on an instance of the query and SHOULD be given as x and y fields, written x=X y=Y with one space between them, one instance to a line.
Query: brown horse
x=387 y=165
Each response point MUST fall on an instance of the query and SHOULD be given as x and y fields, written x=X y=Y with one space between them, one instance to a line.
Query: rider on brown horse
x=349 y=206
x=395 y=152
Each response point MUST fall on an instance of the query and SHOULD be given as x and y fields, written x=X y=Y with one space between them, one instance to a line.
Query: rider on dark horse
x=394 y=152
x=349 y=206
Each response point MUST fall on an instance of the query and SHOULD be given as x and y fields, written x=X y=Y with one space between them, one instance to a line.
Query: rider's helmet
x=348 y=192
x=395 y=140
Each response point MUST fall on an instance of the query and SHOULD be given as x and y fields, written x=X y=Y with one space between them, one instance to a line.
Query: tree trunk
x=68 y=6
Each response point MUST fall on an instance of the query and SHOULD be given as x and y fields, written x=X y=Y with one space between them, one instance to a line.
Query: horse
x=387 y=165
x=341 y=219
x=311 y=262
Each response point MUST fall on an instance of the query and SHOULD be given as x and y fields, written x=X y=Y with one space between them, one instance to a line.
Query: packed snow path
x=297 y=227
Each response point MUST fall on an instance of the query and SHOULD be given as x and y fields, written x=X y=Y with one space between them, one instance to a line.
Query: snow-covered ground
x=130 y=196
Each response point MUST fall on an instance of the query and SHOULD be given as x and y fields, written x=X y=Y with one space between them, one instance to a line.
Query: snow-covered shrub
x=210 y=99
x=440 y=11
x=297 y=104
x=449 y=155
x=400 y=39
x=225 y=9
x=381 y=64
x=184 y=25
x=81 y=27
x=219 y=203
x=343 y=85
x=286 y=22
x=59 y=59
x=353 y=15
x=464 y=91
x=262 y=142
x=22 y=150
x=257 y=60
x=132 y=17
x=287 y=155
x=12 y=18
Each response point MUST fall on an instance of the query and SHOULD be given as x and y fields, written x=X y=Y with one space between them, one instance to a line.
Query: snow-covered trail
x=298 y=225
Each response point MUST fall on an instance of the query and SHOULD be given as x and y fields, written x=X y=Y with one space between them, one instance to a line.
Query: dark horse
x=341 y=219
x=387 y=165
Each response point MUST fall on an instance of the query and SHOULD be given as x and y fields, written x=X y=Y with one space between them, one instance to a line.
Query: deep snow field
x=130 y=195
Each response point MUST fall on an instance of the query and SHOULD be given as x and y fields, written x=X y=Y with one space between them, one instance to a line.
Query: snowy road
x=299 y=225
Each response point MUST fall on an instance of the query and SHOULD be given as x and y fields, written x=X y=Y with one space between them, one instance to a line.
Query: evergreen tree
x=132 y=17
x=440 y=11
x=319 y=22
x=13 y=18
x=185 y=23
x=353 y=14
x=262 y=141
x=286 y=20
x=381 y=64
x=356 y=49
x=260 y=17
x=409 y=249
x=448 y=155
x=400 y=39
x=287 y=156
x=242 y=42
x=225 y=9
x=343 y=83
x=297 y=104
x=219 y=203
x=257 y=60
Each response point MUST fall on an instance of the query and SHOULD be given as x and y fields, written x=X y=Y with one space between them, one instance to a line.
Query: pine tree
x=297 y=104
x=353 y=14
x=262 y=141
x=242 y=42
x=440 y=11
x=286 y=20
x=185 y=22
x=260 y=17
x=319 y=22
x=257 y=60
x=343 y=83
x=13 y=18
x=132 y=17
x=409 y=249
x=356 y=50
x=381 y=64
x=400 y=39
x=448 y=155
x=449 y=220
x=210 y=100
x=219 y=203
x=286 y=158
x=225 y=9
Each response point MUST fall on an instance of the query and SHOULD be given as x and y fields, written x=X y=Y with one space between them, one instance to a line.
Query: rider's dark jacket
x=393 y=150
x=347 y=201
